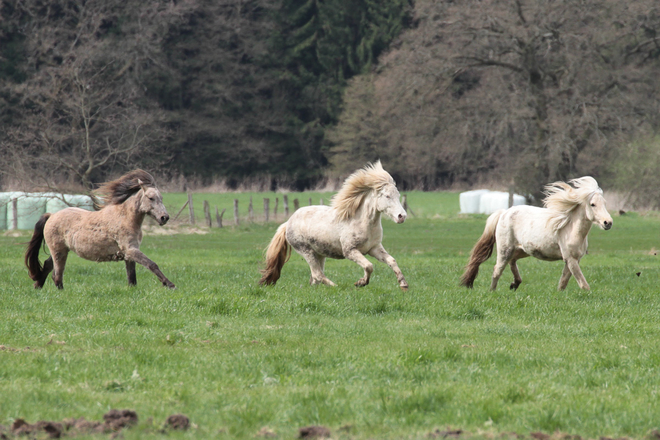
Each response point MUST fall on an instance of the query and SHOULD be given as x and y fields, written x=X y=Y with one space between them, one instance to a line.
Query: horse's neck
x=130 y=210
x=368 y=211
x=581 y=225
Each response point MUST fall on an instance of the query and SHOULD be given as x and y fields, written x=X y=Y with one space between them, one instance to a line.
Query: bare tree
x=532 y=91
x=82 y=112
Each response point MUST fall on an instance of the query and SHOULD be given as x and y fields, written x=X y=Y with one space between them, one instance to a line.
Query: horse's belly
x=99 y=248
x=549 y=253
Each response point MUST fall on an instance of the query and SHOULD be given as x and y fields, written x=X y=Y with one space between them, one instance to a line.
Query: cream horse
x=113 y=233
x=349 y=228
x=556 y=232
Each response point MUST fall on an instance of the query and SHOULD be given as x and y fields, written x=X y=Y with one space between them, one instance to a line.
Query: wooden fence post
x=191 y=211
x=236 y=221
x=218 y=217
x=14 y=215
x=250 y=211
x=277 y=202
x=266 y=208
x=321 y=201
x=207 y=213
x=310 y=201
x=296 y=205
x=285 y=199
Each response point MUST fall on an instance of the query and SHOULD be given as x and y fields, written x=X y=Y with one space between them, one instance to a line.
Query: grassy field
x=367 y=363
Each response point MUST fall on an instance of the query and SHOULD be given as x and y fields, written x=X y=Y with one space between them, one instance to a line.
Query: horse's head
x=389 y=203
x=597 y=211
x=151 y=204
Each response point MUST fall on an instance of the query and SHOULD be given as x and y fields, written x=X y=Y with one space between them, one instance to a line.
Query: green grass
x=374 y=362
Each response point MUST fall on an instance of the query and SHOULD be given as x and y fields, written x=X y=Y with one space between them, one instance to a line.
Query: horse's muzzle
x=163 y=219
x=607 y=225
x=401 y=218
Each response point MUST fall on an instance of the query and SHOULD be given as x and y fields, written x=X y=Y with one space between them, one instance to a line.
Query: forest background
x=291 y=94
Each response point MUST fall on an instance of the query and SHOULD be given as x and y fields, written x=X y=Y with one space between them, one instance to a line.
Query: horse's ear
x=141 y=183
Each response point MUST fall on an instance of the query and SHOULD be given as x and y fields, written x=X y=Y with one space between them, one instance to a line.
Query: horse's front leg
x=130 y=273
x=356 y=256
x=380 y=254
x=137 y=256
x=573 y=265
x=565 y=276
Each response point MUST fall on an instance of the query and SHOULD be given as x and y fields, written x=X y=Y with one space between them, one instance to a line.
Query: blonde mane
x=562 y=199
x=357 y=187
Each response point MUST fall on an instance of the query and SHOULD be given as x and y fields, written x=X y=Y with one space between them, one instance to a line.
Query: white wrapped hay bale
x=5 y=200
x=494 y=200
x=469 y=200
x=62 y=201
x=27 y=210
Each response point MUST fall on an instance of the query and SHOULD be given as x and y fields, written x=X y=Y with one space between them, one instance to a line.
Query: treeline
x=207 y=88
x=513 y=92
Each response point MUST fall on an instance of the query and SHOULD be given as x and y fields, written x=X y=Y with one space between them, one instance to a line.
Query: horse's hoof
x=404 y=288
x=513 y=286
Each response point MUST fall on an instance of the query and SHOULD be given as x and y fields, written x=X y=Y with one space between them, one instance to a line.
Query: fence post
x=310 y=201
x=236 y=221
x=250 y=211
x=191 y=211
x=322 y=202
x=285 y=199
x=14 y=216
x=296 y=205
x=266 y=208
x=218 y=218
x=207 y=213
x=277 y=202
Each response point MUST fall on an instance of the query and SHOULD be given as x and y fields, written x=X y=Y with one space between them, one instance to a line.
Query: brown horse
x=113 y=233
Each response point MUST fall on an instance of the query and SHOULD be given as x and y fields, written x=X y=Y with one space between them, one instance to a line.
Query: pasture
x=374 y=362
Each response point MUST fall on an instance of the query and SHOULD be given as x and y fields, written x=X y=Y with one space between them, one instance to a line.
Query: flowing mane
x=119 y=190
x=357 y=187
x=563 y=198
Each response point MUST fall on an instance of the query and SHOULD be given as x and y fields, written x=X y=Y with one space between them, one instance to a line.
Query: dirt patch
x=449 y=433
x=114 y=421
x=177 y=421
x=313 y=432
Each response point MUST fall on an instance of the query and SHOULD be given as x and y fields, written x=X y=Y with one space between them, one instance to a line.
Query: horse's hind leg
x=504 y=255
x=316 y=264
x=59 y=261
x=517 y=279
x=130 y=273
x=357 y=257
x=48 y=268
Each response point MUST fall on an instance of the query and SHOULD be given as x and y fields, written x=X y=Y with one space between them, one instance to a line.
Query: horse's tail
x=277 y=253
x=35 y=270
x=482 y=250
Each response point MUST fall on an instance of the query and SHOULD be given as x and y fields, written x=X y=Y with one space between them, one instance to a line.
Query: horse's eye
x=593 y=205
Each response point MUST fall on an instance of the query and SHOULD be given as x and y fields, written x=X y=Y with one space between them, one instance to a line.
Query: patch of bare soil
x=114 y=421
x=313 y=432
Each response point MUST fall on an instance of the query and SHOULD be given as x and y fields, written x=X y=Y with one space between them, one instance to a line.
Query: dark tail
x=482 y=250
x=277 y=254
x=35 y=269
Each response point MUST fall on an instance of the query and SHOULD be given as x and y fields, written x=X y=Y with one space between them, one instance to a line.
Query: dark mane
x=119 y=190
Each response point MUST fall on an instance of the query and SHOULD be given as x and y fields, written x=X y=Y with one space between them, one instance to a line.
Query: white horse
x=349 y=228
x=556 y=232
